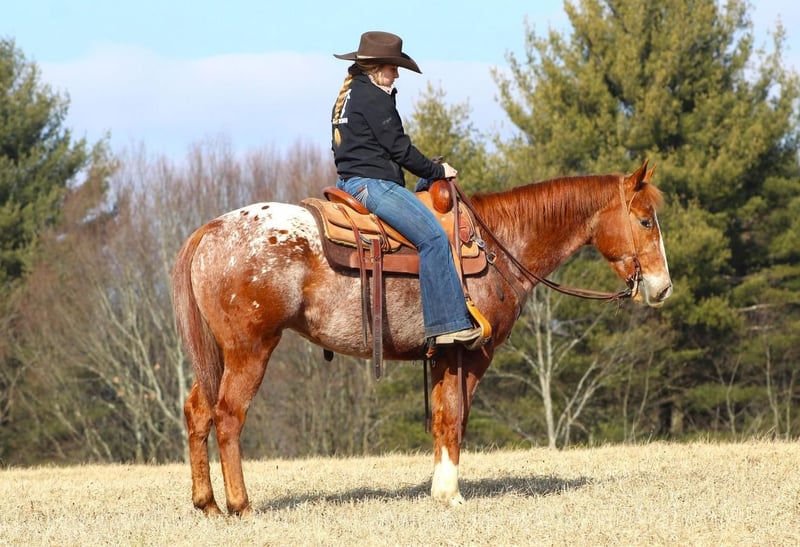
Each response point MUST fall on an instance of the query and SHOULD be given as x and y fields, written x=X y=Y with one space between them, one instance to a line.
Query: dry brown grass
x=655 y=494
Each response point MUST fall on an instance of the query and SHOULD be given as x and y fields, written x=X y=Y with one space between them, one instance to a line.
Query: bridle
x=635 y=278
x=632 y=280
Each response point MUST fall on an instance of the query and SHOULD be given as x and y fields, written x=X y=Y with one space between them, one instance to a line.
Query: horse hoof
x=247 y=511
x=456 y=501
x=211 y=510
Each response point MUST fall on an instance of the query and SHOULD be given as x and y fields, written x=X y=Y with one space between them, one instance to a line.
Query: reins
x=632 y=281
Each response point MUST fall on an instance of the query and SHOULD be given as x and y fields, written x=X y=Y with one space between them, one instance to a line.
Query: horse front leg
x=450 y=407
x=198 y=425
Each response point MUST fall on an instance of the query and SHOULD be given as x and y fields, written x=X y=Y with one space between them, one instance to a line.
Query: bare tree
x=565 y=352
x=545 y=345
x=308 y=406
x=106 y=373
x=104 y=360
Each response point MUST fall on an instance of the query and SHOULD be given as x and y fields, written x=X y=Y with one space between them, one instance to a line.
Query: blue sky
x=171 y=73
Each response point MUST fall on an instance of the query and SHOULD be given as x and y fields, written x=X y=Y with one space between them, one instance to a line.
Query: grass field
x=654 y=494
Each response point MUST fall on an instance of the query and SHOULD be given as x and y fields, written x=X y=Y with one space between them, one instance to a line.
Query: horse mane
x=558 y=201
x=549 y=202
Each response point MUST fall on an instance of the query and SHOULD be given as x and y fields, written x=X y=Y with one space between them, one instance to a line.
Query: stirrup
x=482 y=322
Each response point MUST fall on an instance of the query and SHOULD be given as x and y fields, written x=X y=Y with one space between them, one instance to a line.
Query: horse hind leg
x=199 y=420
x=240 y=381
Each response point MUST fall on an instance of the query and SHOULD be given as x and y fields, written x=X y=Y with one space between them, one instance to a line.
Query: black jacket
x=373 y=141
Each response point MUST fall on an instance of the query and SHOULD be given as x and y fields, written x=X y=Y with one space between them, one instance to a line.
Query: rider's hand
x=449 y=172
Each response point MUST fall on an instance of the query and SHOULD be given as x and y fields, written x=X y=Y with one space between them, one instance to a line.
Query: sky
x=165 y=75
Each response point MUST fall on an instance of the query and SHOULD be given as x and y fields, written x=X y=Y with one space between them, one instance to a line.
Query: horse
x=243 y=278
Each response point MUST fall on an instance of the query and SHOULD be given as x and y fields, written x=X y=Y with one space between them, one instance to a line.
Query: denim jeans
x=443 y=307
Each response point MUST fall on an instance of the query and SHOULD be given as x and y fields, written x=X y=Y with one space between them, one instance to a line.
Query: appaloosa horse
x=243 y=278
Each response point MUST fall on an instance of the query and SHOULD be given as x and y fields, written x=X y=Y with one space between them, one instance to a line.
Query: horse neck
x=544 y=223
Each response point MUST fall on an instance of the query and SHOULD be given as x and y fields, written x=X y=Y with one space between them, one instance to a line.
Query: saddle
x=353 y=238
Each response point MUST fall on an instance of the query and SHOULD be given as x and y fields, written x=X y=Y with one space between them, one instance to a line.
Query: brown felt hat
x=381 y=47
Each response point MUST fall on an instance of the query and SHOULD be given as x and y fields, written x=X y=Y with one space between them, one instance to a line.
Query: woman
x=371 y=149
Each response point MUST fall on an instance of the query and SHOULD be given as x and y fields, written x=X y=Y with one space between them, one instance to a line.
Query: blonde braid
x=343 y=93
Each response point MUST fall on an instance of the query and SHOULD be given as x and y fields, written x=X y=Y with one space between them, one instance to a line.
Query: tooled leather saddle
x=353 y=238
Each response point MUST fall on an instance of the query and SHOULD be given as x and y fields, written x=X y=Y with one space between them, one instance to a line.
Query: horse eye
x=646 y=223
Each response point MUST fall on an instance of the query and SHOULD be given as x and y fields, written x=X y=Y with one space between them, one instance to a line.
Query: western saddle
x=354 y=238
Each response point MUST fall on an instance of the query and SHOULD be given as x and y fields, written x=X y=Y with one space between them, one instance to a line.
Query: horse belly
x=333 y=315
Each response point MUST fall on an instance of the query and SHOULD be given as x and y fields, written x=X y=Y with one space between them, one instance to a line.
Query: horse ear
x=640 y=177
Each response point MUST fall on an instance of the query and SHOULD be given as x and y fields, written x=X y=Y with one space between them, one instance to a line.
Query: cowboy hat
x=381 y=47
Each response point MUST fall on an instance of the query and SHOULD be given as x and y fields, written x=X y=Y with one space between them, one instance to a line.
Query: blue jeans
x=443 y=306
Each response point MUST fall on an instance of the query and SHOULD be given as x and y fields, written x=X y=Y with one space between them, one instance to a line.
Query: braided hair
x=354 y=70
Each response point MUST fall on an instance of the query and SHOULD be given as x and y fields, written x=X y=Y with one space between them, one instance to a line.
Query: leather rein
x=632 y=281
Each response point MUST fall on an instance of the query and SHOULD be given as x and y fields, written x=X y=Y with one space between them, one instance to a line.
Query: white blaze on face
x=663 y=250
x=444 y=487
x=658 y=285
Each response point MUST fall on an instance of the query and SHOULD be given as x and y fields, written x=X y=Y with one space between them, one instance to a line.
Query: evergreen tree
x=38 y=159
x=680 y=82
x=438 y=129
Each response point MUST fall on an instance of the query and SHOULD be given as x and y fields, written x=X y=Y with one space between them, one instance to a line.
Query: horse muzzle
x=652 y=292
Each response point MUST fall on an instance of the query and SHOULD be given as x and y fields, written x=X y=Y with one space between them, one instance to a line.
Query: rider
x=371 y=149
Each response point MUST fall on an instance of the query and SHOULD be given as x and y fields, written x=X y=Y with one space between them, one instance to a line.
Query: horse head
x=629 y=237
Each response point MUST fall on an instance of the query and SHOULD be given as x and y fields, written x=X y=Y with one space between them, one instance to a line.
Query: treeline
x=91 y=368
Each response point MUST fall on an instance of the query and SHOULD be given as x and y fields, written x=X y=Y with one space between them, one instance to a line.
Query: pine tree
x=441 y=130
x=681 y=82
x=38 y=159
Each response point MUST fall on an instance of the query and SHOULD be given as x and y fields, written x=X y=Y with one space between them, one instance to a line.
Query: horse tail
x=193 y=329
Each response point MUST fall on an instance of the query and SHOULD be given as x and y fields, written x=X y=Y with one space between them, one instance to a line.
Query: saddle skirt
x=346 y=234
